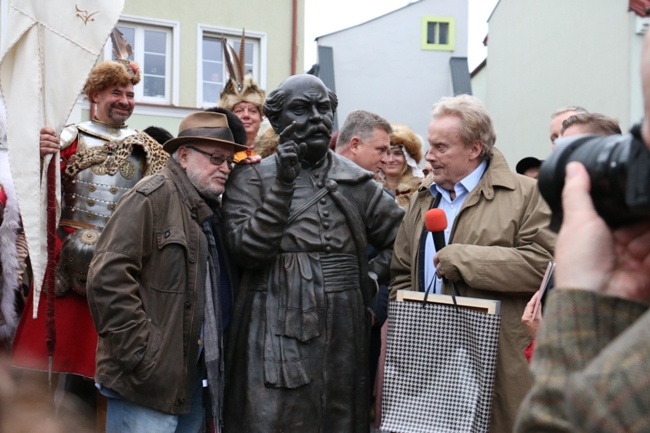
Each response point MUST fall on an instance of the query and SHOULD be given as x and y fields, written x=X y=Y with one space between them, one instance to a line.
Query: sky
x=327 y=16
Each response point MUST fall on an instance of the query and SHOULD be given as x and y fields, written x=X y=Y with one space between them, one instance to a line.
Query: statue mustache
x=312 y=131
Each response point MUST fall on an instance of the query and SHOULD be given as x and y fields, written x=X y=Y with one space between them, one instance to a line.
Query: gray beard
x=203 y=190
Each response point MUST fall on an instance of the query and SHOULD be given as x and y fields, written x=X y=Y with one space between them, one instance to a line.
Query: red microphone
x=3 y=198
x=435 y=220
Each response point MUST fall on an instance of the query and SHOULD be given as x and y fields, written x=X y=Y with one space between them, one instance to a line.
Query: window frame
x=259 y=40
x=451 y=37
x=172 y=56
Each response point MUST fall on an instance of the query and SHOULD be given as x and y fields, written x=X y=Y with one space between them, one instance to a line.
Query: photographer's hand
x=590 y=255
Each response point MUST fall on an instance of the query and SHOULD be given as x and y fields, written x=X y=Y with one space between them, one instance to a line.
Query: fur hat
x=248 y=91
x=403 y=136
x=111 y=73
x=120 y=72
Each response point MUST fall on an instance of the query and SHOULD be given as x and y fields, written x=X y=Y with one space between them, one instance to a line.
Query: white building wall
x=480 y=83
x=380 y=66
x=544 y=55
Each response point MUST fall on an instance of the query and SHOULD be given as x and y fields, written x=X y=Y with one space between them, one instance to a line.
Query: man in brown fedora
x=160 y=288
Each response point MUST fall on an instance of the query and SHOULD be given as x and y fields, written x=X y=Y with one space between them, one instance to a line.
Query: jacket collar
x=345 y=171
x=189 y=195
x=497 y=175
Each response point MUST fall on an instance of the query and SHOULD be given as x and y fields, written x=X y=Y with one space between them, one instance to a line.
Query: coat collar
x=497 y=175
x=345 y=171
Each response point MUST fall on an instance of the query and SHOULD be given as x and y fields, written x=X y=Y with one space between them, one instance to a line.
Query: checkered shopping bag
x=440 y=364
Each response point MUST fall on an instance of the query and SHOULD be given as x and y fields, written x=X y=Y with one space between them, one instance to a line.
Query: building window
x=152 y=50
x=213 y=69
x=438 y=33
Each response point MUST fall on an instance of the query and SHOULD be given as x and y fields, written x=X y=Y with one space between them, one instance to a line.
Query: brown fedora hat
x=203 y=127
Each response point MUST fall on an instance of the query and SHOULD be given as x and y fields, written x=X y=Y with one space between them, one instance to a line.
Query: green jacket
x=590 y=366
x=146 y=292
x=498 y=249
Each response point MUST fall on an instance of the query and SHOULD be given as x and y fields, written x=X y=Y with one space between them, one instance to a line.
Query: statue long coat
x=297 y=351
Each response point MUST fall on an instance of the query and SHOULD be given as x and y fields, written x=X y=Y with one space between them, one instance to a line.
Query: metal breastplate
x=90 y=198
x=92 y=130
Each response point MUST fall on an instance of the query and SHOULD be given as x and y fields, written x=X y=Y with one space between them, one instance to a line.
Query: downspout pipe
x=294 y=36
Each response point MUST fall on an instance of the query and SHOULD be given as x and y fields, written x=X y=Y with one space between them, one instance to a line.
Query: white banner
x=51 y=46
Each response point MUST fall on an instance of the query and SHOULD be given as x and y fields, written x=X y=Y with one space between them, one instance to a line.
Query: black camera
x=619 y=168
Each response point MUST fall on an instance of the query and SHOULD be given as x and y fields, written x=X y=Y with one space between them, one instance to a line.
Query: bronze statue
x=298 y=225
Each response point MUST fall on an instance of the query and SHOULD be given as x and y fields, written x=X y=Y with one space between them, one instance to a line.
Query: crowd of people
x=233 y=279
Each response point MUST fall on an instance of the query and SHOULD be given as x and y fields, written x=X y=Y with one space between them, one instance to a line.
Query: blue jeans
x=124 y=416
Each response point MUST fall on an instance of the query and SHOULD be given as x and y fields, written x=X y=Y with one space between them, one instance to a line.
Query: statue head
x=305 y=100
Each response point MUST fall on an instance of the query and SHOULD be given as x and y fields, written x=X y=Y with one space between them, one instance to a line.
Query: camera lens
x=609 y=161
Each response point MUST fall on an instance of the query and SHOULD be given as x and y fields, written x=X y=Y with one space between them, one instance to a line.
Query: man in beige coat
x=498 y=245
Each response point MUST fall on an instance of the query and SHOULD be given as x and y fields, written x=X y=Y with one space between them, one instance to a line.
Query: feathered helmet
x=240 y=87
x=119 y=72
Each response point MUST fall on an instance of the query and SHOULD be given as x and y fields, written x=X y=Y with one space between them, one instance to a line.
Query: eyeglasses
x=216 y=159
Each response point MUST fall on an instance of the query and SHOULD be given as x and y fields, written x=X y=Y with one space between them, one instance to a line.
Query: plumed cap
x=240 y=87
x=246 y=91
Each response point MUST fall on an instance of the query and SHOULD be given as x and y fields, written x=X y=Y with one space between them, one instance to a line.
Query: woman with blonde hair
x=400 y=174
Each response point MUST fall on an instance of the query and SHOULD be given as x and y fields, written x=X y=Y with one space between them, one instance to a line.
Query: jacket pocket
x=168 y=272
x=135 y=344
x=151 y=354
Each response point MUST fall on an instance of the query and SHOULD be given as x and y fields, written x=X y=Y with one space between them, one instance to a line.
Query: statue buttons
x=331 y=185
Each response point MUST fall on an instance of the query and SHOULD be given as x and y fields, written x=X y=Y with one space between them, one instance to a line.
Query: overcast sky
x=327 y=16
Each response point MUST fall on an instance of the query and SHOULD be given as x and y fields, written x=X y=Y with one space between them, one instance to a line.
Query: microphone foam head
x=435 y=220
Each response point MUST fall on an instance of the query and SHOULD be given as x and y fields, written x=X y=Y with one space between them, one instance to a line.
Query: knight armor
x=101 y=170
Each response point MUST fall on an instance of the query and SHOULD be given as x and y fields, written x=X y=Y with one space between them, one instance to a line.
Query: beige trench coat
x=499 y=248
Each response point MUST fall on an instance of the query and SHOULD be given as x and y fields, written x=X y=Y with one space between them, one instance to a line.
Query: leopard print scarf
x=114 y=153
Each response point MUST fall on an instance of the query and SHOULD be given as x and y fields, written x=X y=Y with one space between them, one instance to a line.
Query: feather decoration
x=237 y=65
x=121 y=48
x=226 y=54
x=242 y=56
x=236 y=62
x=240 y=85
